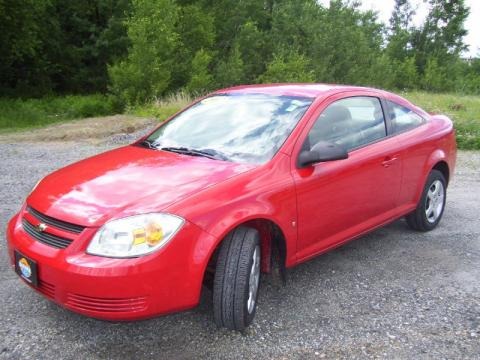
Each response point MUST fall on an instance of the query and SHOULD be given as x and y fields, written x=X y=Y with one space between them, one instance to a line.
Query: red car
x=246 y=180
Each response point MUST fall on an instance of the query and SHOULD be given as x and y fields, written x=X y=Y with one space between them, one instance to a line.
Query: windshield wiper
x=208 y=153
x=148 y=144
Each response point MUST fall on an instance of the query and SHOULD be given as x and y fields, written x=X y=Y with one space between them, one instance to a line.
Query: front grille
x=89 y=303
x=44 y=237
x=76 y=229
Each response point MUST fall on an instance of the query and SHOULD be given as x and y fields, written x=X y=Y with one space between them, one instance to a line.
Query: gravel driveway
x=391 y=294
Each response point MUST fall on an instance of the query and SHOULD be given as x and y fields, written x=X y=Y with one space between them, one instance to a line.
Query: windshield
x=241 y=128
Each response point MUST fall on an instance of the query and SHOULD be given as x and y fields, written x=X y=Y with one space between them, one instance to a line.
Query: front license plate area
x=26 y=268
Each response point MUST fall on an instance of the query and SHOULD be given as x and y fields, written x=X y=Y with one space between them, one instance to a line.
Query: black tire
x=417 y=219
x=232 y=278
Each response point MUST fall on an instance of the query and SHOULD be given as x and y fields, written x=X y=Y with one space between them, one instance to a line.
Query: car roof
x=304 y=90
x=314 y=91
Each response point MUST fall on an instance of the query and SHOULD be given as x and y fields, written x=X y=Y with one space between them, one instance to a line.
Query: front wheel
x=237 y=277
x=430 y=209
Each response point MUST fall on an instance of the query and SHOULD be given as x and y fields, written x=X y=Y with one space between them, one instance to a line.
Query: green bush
x=24 y=113
x=291 y=67
x=435 y=77
x=406 y=74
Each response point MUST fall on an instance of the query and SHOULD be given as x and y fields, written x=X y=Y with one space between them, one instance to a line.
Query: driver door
x=340 y=199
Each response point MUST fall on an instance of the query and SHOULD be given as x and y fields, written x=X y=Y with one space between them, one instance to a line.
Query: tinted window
x=403 y=118
x=350 y=122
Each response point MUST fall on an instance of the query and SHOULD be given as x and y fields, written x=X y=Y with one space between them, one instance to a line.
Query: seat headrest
x=337 y=113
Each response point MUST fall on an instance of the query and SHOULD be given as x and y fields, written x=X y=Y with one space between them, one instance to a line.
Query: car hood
x=126 y=181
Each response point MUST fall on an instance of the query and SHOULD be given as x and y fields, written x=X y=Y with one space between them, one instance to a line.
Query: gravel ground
x=391 y=294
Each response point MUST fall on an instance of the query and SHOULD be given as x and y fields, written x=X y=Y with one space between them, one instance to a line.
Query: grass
x=464 y=110
x=16 y=114
x=162 y=109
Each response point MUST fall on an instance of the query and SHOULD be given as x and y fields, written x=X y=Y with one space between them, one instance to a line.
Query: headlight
x=135 y=235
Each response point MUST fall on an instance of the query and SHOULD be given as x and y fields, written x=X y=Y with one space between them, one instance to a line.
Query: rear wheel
x=237 y=277
x=430 y=209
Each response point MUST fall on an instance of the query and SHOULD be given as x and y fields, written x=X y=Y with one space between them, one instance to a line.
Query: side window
x=350 y=122
x=403 y=118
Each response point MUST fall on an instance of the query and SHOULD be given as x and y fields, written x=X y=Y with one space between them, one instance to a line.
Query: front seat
x=333 y=124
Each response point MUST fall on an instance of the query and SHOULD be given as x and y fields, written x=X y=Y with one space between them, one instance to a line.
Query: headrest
x=337 y=113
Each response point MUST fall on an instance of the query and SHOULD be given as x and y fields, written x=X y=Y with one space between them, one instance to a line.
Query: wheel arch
x=443 y=167
x=438 y=160
x=272 y=238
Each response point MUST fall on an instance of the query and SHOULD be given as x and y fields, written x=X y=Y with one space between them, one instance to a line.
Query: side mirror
x=322 y=152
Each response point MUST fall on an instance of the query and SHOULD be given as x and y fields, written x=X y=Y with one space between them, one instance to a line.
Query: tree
x=406 y=74
x=93 y=35
x=288 y=67
x=195 y=29
x=442 y=35
x=295 y=24
x=345 y=53
x=26 y=32
x=254 y=46
x=399 y=37
x=201 y=79
x=53 y=45
x=140 y=49
x=231 y=15
x=146 y=72
x=383 y=73
x=230 y=71
x=435 y=77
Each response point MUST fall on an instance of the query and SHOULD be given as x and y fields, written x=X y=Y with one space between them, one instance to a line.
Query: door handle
x=388 y=161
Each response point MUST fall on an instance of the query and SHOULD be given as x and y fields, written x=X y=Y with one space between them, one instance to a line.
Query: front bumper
x=166 y=281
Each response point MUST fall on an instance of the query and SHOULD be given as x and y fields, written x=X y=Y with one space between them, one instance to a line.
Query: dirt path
x=94 y=130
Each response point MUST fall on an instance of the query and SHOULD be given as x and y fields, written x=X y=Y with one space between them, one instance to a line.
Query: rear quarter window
x=403 y=118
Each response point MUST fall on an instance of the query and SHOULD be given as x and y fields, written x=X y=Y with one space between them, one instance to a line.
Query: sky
x=385 y=7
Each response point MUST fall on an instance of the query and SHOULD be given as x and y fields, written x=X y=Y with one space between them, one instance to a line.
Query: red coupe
x=247 y=180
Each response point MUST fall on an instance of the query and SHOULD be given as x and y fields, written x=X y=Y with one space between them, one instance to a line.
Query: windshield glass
x=242 y=128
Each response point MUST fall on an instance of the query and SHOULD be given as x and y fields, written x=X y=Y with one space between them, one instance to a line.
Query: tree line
x=142 y=49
